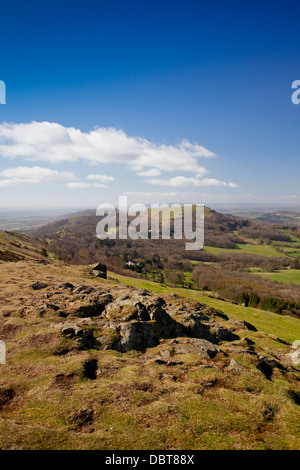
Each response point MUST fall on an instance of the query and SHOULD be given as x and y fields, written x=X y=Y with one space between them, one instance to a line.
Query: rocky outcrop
x=125 y=318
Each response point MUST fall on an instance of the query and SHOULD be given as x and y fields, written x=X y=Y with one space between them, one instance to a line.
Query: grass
x=286 y=275
x=262 y=250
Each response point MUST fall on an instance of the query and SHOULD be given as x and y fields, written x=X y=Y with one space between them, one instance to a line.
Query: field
x=287 y=275
x=249 y=249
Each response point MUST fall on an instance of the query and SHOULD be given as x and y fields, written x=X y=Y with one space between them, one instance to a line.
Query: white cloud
x=77 y=185
x=151 y=172
x=292 y=196
x=36 y=173
x=102 y=178
x=51 y=142
x=183 y=181
x=9 y=182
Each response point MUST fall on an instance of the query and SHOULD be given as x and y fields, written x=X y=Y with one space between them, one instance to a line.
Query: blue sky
x=184 y=101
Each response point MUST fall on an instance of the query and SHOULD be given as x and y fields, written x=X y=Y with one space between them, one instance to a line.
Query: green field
x=262 y=250
x=286 y=275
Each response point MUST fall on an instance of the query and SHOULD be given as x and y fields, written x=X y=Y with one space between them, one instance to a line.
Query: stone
x=84 y=290
x=66 y=285
x=200 y=347
x=95 y=308
x=72 y=330
x=244 y=325
x=100 y=270
x=194 y=328
x=38 y=285
x=136 y=335
x=223 y=334
x=234 y=367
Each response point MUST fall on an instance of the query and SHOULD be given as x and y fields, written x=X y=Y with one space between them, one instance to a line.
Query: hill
x=127 y=363
x=235 y=250
x=18 y=246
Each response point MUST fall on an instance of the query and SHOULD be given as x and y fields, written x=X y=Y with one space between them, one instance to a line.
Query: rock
x=194 y=328
x=84 y=337
x=200 y=347
x=66 y=285
x=95 y=308
x=223 y=334
x=84 y=290
x=136 y=335
x=164 y=325
x=100 y=270
x=165 y=355
x=72 y=330
x=264 y=367
x=234 y=367
x=244 y=325
x=38 y=285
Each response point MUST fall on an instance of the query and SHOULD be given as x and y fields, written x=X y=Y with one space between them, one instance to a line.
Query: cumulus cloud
x=183 y=181
x=102 y=178
x=12 y=182
x=151 y=172
x=36 y=173
x=52 y=142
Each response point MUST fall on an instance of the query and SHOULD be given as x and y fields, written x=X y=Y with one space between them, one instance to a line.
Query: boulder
x=200 y=347
x=244 y=325
x=38 y=285
x=100 y=270
x=137 y=335
x=194 y=328
x=223 y=334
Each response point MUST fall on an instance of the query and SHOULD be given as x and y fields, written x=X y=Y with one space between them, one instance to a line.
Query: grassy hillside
x=137 y=400
x=17 y=246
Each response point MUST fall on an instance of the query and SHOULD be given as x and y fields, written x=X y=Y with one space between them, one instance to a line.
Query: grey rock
x=72 y=330
x=194 y=328
x=244 y=325
x=136 y=335
x=200 y=347
x=223 y=334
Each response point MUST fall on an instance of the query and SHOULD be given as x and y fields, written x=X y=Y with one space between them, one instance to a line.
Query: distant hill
x=73 y=239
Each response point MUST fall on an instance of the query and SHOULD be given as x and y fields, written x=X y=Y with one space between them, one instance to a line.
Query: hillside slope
x=96 y=364
x=18 y=246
